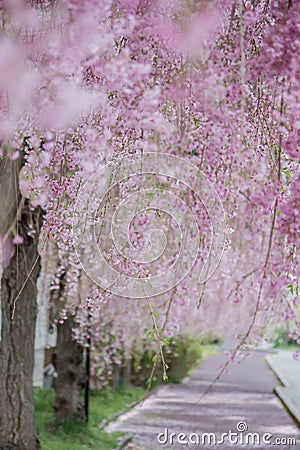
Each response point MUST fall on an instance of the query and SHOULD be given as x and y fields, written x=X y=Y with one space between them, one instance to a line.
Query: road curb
x=124 y=441
x=276 y=371
x=287 y=392
x=286 y=398
x=115 y=416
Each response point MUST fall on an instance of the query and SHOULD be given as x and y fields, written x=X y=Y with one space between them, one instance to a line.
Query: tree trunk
x=19 y=307
x=126 y=372
x=70 y=381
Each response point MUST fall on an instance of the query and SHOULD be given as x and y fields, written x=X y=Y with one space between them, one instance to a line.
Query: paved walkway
x=288 y=372
x=245 y=396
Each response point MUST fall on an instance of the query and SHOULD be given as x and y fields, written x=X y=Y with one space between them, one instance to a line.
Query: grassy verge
x=77 y=436
x=289 y=347
x=105 y=404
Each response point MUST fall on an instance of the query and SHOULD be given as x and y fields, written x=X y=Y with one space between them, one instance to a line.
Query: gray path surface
x=245 y=395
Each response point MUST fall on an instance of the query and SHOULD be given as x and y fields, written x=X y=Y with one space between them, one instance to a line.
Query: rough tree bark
x=19 y=308
x=70 y=381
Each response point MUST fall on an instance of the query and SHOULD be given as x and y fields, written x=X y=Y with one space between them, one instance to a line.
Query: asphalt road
x=241 y=400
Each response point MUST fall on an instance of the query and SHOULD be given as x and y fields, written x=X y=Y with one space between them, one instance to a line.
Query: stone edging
x=282 y=392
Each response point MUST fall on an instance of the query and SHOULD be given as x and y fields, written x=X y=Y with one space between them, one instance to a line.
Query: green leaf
x=286 y=172
x=150 y=195
x=197 y=123
x=291 y=288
